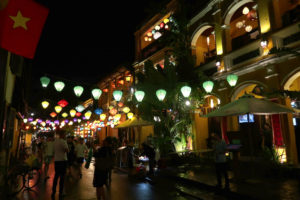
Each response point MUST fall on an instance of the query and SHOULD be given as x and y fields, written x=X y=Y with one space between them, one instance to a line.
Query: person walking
x=70 y=155
x=102 y=164
x=150 y=153
x=220 y=148
x=48 y=155
x=80 y=151
x=60 y=162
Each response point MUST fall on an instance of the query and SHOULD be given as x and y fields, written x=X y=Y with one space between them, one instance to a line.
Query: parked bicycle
x=23 y=176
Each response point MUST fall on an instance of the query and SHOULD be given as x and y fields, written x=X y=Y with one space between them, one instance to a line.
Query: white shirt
x=60 y=150
x=49 y=148
x=80 y=150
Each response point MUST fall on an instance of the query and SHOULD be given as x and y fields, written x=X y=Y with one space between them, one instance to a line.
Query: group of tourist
x=70 y=154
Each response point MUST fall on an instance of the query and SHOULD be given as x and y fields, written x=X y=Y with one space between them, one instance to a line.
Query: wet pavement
x=122 y=188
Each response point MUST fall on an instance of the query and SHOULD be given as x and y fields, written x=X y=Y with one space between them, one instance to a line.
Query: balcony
x=152 y=48
x=288 y=36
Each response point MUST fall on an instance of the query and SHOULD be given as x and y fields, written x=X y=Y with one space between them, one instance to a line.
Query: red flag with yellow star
x=21 y=24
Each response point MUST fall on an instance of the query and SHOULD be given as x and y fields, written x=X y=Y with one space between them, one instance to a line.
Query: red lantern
x=78 y=114
x=105 y=90
x=63 y=103
x=120 y=104
x=161 y=25
x=53 y=114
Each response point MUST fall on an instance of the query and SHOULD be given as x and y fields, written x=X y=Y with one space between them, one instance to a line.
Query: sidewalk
x=250 y=188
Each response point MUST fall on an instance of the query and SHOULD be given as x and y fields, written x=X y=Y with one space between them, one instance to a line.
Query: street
x=121 y=187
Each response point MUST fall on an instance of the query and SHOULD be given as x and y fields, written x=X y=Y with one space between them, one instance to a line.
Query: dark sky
x=84 y=40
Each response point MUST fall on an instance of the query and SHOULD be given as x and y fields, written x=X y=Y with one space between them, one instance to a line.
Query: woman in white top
x=80 y=151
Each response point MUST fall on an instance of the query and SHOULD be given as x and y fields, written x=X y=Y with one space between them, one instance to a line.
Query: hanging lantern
x=45 y=81
x=245 y=10
x=53 y=114
x=117 y=95
x=88 y=114
x=126 y=110
x=113 y=111
x=39 y=121
x=80 y=108
x=78 y=114
x=57 y=109
x=64 y=115
x=56 y=122
x=128 y=78
x=72 y=113
x=149 y=34
x=166 y=20
x=45 y=104
x=139 y=95
x=63 y=103
x=157 y=35
x=186 y=91
x=157 y=27
x=79 y=120
x=75 y=119
x=78 y=90
x=30 y=119
x=232 y=79
x=43 y=123
x=59 y=86
x=130 y=115
x=102 y=117
x=98 y=111
x=161 y=93
x=117 y=117
x=105 y=90
x=25 y=120
x=208 y=86
x=161 y=25
x=248 y=28
x=96 y=93
x=120 y=104
x=121 y=82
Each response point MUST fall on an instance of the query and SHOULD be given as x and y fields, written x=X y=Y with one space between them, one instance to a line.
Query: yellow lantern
x=45 y=104
x=130 y=115
x=126 y=110
x=102 y=117
x=64 y=115
x=58 y=109
x=117 y=117
x=72 y=113
x=88 y=114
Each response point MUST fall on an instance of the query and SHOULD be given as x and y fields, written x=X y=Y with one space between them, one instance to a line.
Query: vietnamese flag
x=21 y=24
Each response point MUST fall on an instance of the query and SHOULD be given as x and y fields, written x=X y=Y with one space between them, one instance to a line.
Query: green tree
x=173 y=116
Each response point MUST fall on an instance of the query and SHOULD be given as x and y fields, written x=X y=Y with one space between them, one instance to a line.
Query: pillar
x=264 y=15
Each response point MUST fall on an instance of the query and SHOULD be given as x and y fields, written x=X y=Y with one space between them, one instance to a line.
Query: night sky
x=82 y=41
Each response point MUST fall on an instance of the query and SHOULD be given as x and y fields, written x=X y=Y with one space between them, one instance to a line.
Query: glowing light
x=78 y=90
x=248 y=28
x=96 y=93
x=53 y=114
x=246 y=10
x=232 y=79
x=64 y=115
x=187 y=103
x=98 y=111
x=117 y=95
x=208 y=86
x=117 y=117
x=88 y=114
x=157 y=27
x=102 y=117
x=166 y=20
x=128 y=78
x=264 y=43
x=161 y=94
x=126 y=109
x=45 y=104
x=186 y=91
x=139 y=95
x=212 y=103
x=72 y=113
x=45 y=81
x=25 y=120
x=130 y=115
x=63 y=103
x=157 y=35
x=57 y=109
x=80 y=108
x=59 y=86
x=78 y=114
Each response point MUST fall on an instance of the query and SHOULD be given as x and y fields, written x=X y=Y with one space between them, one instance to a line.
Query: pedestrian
x=80 y=151
x=48 y=154
x=102 y=164
x=70 y=155
x=41 y=149
x=89 y=155
x=150 y=153
x=221 y=166
x=111 y=160
x=60 y=162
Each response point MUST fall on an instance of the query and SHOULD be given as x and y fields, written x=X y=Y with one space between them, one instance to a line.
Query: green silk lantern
x=232 y=79
x=78 y=90
x=208 y=86
x=59 y=86
x=186 y=91
x=139 y=95
x=45 y=104
x=161 y=94
x=96 y=93
x=45 y=81
x=117 y=95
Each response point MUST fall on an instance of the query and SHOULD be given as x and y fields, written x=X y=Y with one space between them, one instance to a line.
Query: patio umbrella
x=134 y=122
x=247 y=104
